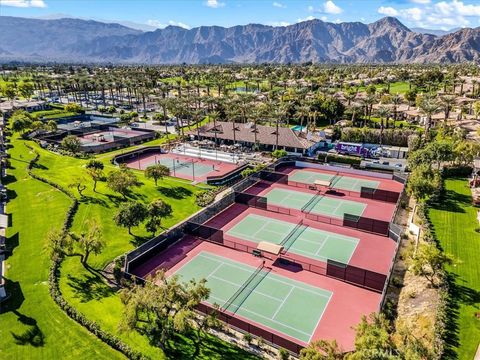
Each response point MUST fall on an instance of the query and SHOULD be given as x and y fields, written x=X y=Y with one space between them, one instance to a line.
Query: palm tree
x=383 y=112
x=395 y=100
x=368 y=102
x=447 y=102
x=213 y=116
x=302 y=112
x=428 y=106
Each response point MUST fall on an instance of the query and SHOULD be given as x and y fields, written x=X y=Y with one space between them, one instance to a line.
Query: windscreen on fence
x=204 y=232
x=367 y=224
x=284 y=164
x=151 y=249
x=274 y=177
x=356 y=275
x=246 y=326
x=379 y=194
x=251 y=200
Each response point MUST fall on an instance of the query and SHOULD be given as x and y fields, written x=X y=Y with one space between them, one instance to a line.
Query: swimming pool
x=298 y=128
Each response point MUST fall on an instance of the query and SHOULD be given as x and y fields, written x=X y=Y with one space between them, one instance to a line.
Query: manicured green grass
x=455 y=221
x=398 y=87
x=84 y=288
x=43 y=331
x=52 y=114
x=398 y=123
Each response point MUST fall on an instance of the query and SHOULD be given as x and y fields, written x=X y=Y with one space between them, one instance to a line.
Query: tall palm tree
x=446 y=103
x=428 y=106
x=383 y=112
x=163 y=103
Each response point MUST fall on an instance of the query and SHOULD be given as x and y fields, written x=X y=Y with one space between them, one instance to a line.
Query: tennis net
x=293 y=235
x=335 y=179
x=239 y=297
x=312 y=202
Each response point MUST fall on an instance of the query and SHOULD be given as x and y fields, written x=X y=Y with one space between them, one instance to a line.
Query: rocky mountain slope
x=386 y=40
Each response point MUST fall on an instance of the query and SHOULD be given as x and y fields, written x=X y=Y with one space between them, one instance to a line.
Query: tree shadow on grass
x=11 y=243
x=8 y=179
x=11 y=194
x=39 y=166
x=94 y=200
x=176 y=192
x=115 y=199
x=457 y=295
x=15 y=297
x=33 y=335
x=451 y=201
x=89 y=287
x=211 y=347
x=139 y=240
x=450 y=336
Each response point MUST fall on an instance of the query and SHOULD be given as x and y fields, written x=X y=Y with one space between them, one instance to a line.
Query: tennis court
x=296 y=238
x=177 y=166
x=340 y=182
x=314 y=203
x=287 y=306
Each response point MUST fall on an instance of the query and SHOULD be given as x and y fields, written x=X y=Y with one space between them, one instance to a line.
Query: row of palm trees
x=190 y=93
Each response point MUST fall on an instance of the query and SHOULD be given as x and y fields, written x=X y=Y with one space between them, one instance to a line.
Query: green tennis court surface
x=315 y=204
x=302 y=240
x=340 y=182
x=282 y=304
x=183 y=167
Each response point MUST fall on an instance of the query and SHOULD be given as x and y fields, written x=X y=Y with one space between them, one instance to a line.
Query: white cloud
x=329 y=7
x=415 y=14
x=387 y=10
x=279 y=23
x=324 y=18
x=440 y=15
x=308 y=18
x=156 y=24
x=161 y=25
x=457 y=7
x=24 y=3
x=279 y=5
x=214 y=4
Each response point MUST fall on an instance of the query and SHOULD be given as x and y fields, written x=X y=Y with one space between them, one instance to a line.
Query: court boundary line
x=233 y=263
x=334 y=237
x=357 y=180
x=248 y=265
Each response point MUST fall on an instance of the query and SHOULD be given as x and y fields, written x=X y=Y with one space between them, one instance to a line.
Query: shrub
x=204 y=198
x=247 y=337
x=283 y=354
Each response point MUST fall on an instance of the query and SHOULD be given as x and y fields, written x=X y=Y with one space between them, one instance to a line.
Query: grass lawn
x=83 y=288
x=52 y=114
x=398 y=123
x=398 y=87
x=32 y=326
x=455 y=221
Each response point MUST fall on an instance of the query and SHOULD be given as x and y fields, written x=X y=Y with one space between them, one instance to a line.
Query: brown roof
x=265 y=134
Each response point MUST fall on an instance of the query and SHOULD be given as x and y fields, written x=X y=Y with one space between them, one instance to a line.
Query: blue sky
x=432 y=14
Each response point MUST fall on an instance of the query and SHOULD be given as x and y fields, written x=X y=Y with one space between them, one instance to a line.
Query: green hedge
x=53 y=278
x=344 y=159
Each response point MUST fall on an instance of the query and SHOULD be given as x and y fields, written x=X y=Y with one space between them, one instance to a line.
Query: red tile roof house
x=265 y=136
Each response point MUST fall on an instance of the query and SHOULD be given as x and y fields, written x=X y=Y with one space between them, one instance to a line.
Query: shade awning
x=322 y=182
x=270 y=247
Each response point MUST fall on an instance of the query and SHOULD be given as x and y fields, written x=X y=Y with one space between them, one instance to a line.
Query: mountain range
x=86 y=41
